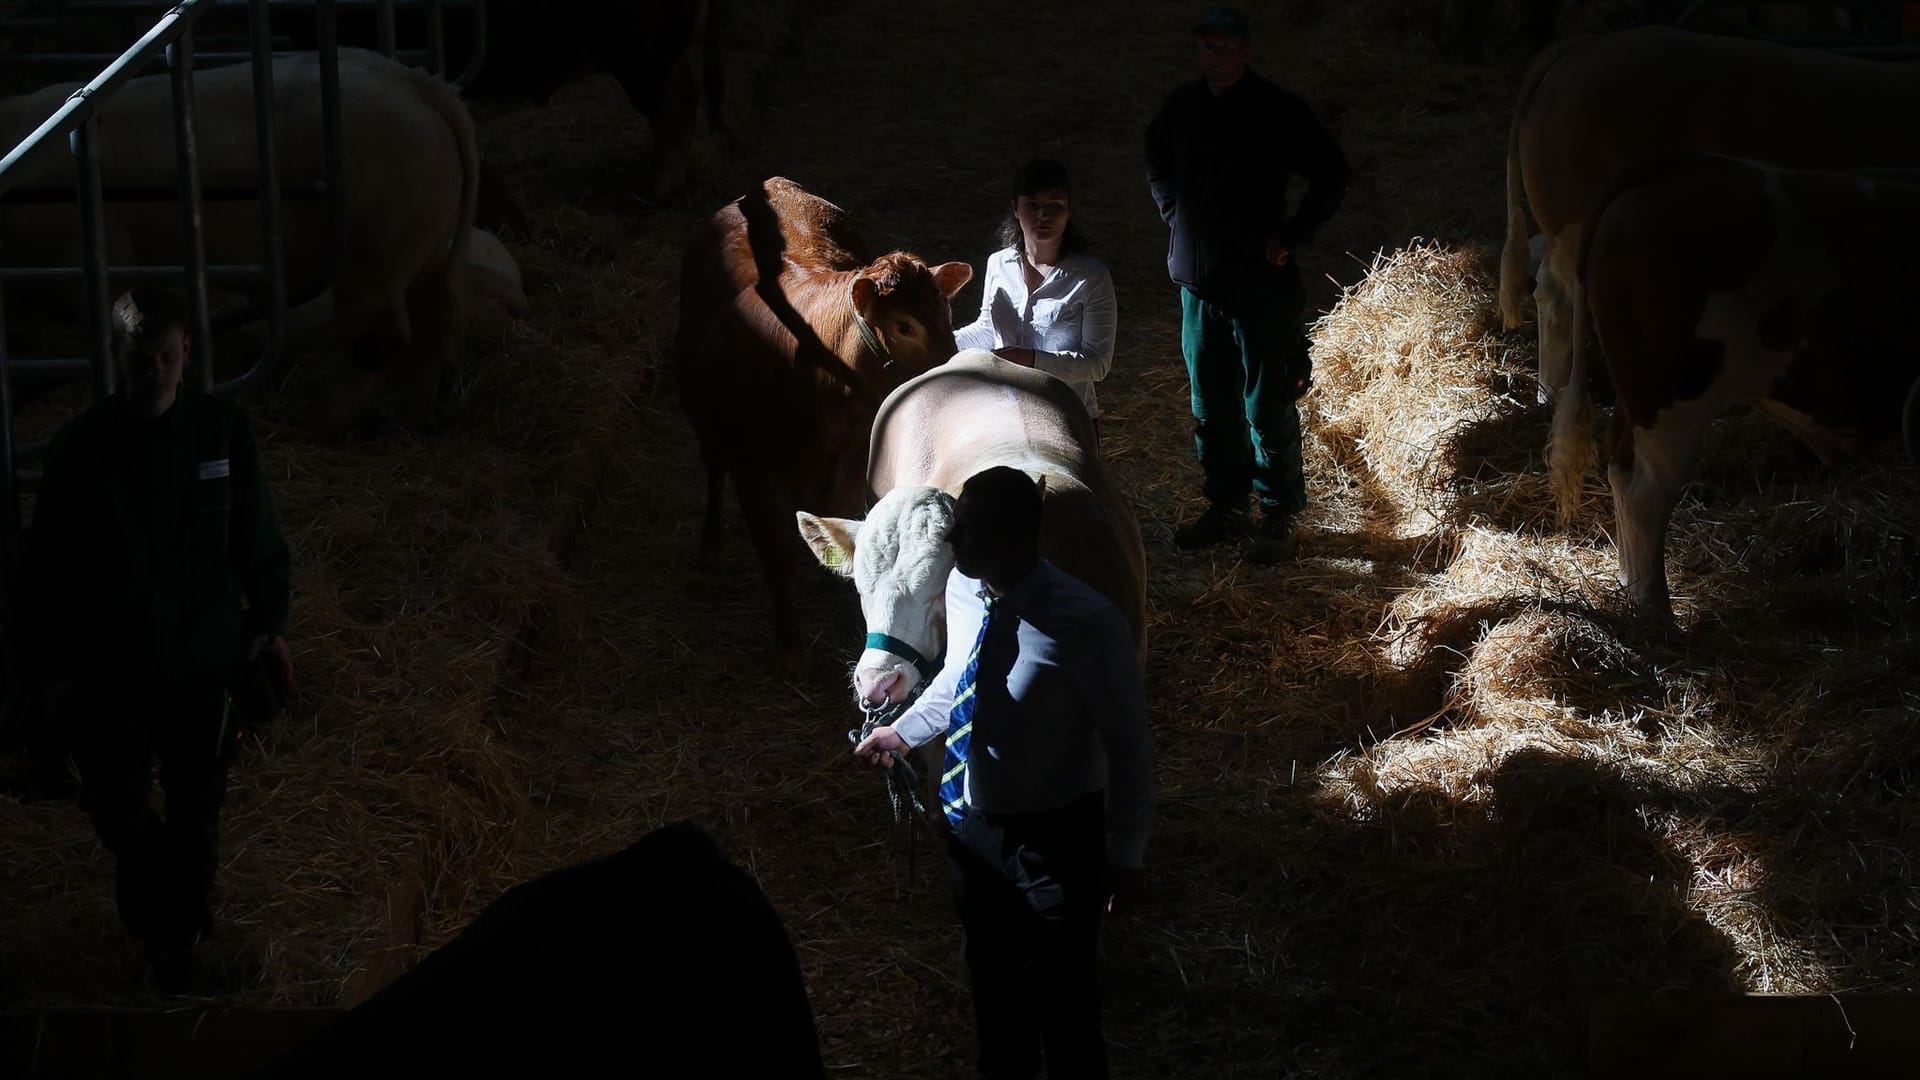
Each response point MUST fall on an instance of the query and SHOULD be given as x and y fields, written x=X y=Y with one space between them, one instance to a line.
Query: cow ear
x=952 y=277
x=1040 y=485
x=865 y=292
x=831 y=540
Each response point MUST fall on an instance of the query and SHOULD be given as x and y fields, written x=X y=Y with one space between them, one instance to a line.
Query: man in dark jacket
x=157 y=571
x=1219 y=156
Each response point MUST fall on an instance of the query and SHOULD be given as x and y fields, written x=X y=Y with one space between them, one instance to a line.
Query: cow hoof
x=452 y=390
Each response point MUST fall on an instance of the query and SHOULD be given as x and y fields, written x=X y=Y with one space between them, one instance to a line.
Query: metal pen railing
x=433 y=56
x=78 y=120
x=170 y=38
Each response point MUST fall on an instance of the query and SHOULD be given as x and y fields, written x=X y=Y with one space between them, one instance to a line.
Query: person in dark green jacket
x=1220 y=153
x=158 y=575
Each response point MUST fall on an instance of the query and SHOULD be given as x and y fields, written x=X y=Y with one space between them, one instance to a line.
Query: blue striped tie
x=953 y=779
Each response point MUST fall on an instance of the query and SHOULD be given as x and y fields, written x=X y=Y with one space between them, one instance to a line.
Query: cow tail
x=1514 y=260
x=1513 y=256
x=1570 y=441
x=445 y=100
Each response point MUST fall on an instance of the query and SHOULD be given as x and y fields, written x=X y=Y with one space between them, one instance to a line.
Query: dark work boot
x=175 y=970
x=188 y=972
x=1218 y=522
x=1274 y=538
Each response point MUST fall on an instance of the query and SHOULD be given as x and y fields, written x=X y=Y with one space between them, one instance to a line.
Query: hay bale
x=1417 y=392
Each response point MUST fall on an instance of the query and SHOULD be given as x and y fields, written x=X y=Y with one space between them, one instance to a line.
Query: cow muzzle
x=880 y=687
x=885 y=674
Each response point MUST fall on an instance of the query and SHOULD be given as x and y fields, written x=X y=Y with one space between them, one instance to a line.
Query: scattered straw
x=1423 y=792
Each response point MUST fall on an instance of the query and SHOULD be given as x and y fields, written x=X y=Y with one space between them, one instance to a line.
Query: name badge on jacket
x=213 y=470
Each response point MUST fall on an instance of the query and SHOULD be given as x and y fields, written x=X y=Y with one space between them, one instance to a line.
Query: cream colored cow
x=972 y=413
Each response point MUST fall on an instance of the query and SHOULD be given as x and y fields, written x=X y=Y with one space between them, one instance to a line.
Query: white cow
x=410 y=176
x=972 y=413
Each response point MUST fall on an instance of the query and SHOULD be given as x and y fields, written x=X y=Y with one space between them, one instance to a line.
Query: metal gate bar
x=433 y=56
x=26 y=195
x=269 y=177
x=93 y=252
x=187 y=164
x=9 y=522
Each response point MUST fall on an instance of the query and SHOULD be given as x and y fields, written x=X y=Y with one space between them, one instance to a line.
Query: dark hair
x=144 y=315
x=1230 y=21
x=1007 y=500
x=1037 y=175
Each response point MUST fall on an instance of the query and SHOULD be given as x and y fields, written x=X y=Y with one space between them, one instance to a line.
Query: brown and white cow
x=409 y=163
x=1594 y=107
x=972 y=413
x=1714 y=282
x=789 y=340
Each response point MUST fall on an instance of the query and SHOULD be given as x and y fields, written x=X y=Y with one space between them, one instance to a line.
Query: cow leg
x=1649 y=469
x=434 y=309
x=1553 y=307
x=712 y=536
x=765 y=527
x=670 y=111
x=362 y=372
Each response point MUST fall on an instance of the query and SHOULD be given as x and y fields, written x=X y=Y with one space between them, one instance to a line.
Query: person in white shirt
x=1046 y=303
x=1047 y=782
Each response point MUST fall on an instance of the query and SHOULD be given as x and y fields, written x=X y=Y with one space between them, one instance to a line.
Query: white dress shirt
x=1069 y=321
x=1072 y=719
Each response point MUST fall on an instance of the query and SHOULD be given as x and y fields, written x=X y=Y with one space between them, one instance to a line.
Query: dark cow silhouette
x=664 y=960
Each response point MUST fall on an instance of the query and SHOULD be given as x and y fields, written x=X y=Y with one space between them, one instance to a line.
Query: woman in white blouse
x=1046 y=303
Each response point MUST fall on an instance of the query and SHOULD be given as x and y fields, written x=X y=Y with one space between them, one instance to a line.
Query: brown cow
x=1594 y=107
x=789 y=339
x=1715 y=282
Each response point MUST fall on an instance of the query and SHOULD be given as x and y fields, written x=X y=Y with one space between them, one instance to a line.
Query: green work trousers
x=1246 y=352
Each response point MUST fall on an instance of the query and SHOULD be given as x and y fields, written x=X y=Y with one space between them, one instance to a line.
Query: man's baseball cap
x=1230 y=21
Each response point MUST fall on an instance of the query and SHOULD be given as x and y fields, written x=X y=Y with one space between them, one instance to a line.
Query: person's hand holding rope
x=882 y=746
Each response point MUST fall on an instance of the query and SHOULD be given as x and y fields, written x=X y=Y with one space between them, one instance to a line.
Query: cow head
x=899 y=560
x=904 y=306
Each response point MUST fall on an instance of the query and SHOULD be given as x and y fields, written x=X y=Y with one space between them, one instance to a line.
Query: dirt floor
x=1424 y=791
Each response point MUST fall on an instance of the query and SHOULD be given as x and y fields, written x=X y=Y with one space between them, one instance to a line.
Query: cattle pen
x=1426 y=794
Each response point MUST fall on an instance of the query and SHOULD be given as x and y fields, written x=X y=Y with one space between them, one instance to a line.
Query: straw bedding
x=1423 y=792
